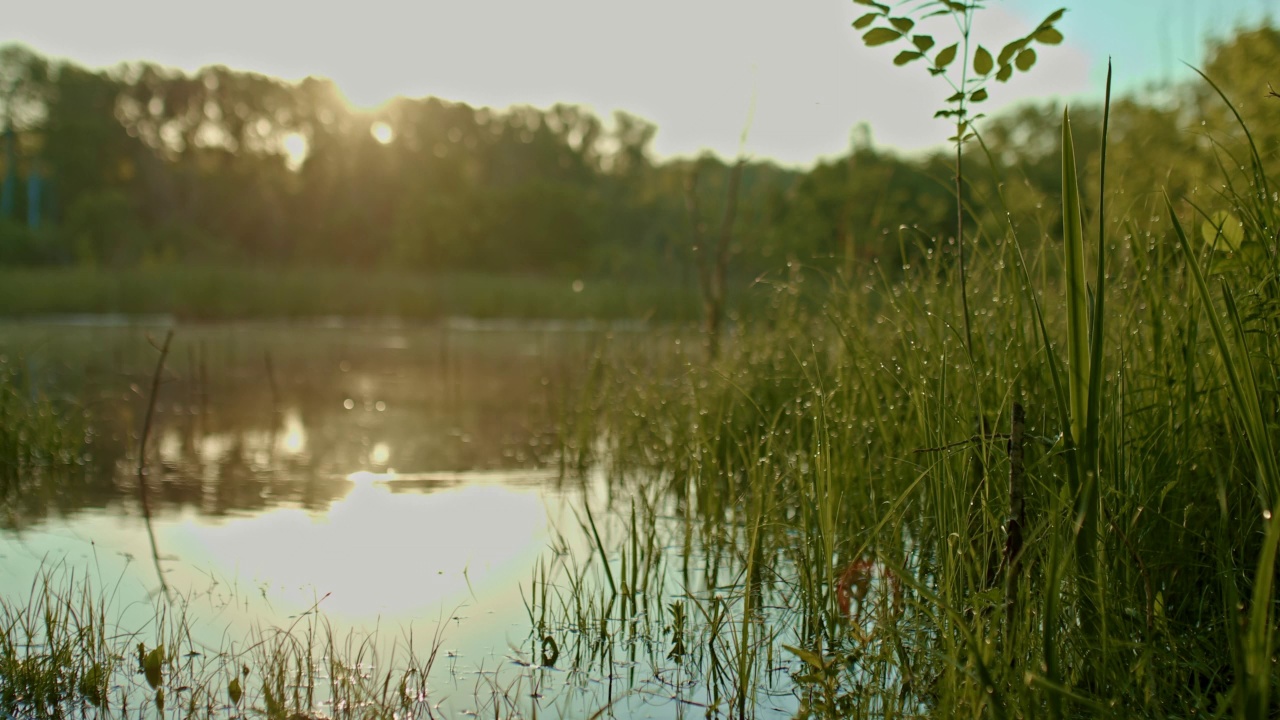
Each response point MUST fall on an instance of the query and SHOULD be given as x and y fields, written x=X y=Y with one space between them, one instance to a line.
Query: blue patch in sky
x=1147 y=40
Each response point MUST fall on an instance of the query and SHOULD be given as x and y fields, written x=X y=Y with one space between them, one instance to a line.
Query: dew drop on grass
x=1266 y=514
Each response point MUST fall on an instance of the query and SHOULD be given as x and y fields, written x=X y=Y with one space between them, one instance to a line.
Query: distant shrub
x=20 y=245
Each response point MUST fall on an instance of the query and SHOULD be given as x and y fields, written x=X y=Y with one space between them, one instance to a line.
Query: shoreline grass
x=66 y=650
x=234 y=293
x=868 y=432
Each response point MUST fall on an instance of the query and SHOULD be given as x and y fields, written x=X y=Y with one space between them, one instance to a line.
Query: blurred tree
x=711 y=253
x=145 y=163
x=1246 y=67
x=24 y=87
x=24 y=82
x=85 y=148
x=102 y=227
x=868 y=204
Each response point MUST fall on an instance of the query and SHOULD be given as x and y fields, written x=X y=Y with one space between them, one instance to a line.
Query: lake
x=385 y=494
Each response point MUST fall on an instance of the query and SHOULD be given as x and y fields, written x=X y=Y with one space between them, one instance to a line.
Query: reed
x=856 y=426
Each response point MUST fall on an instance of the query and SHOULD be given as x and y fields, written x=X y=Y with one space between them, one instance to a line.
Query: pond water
x=391 y=491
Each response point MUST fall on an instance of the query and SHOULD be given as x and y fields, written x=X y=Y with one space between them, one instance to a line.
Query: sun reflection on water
x=258 y=518
x=293 y=438
x=382 y=554
x=380 y=455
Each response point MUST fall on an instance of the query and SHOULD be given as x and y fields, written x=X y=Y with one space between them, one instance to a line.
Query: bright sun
x=382 y=132
x=296 y=147
x=295 y=150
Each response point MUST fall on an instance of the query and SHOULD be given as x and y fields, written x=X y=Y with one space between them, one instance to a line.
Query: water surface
x=392 y=477
x=389 y=487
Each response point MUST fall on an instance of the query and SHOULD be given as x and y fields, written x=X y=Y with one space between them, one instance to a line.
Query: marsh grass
x=857 y=426
x=43 y=445
x=69 y=649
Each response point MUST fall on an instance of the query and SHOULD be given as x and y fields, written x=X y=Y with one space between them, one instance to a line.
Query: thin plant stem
x=142 y=459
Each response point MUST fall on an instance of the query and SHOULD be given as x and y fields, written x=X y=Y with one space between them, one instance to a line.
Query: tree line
x=143 y=164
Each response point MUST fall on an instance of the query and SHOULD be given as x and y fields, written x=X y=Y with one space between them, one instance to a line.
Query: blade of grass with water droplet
x=1243 y=391
x=1259 y=635
x=1082 y=425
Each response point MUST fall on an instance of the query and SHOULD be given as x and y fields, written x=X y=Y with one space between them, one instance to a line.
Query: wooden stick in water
x=142 y=458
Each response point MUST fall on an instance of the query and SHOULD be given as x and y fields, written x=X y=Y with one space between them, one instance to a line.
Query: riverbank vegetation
x=1054 y=497
x=1054 y=500
x=211 y=293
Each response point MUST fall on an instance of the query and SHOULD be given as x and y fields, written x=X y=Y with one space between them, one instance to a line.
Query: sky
x=795 y=70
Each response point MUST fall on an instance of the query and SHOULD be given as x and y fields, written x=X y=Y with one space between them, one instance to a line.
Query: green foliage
x=20 y=245
x=152 y=664
x=974 y=72
x=968 y=87
x=43 y=444
x=298 y=178
x=101 y=227
x=228 y=293
x=869 y=205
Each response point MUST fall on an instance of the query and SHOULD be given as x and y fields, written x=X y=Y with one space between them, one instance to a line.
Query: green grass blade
x=1259 y=438
x=1049 y=628
x=1083 y=470
x=1259 y=641
x=1077 y=292
x=604 y=555
x=1087 y=467
x=1259 y=636
x=1093 y=416
x=1246 y=403
x=1259 y=170
x=1055 y=372
x=1054 y=690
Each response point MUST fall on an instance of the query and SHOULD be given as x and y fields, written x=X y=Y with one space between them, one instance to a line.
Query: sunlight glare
x=214 y=448
x=486 y=535
x=171 y=446
x=380 y=454
x=296 y=149
x=382 y=132
x=293 y=438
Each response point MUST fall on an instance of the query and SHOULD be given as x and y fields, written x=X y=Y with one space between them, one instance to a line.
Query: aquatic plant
x=68 y=649
x=44 y=444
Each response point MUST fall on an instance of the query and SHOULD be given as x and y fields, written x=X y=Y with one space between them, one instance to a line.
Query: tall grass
x=66 y=650
x=856 y=427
